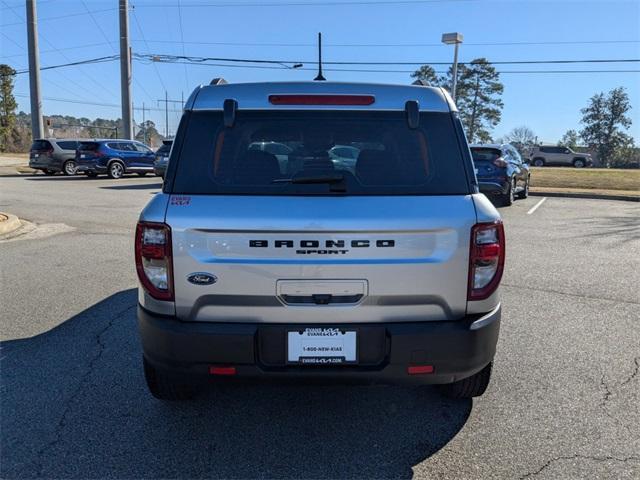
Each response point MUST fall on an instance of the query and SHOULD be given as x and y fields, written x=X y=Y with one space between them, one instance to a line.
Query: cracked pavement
x=564 y=401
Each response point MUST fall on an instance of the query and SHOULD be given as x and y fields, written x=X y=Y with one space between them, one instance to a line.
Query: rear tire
x=508 y=198
x=579 y=163
x=538 y=162
x=525 y=192
x=473 y=386
x=115 y=170
x=69 y=168
x=164 y=386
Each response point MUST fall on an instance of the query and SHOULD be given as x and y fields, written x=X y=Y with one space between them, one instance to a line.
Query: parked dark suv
x=162 y=158
x=53 y=155
x=501 y=173
x=114 y=157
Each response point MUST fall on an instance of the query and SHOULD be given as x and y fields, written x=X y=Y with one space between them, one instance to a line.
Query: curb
x=10 y=224
x=592 y=196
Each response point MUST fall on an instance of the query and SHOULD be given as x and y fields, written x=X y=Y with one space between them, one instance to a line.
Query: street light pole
x=453 y=39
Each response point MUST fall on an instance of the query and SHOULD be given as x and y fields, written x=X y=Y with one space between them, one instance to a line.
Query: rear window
x=485 y=154
x=89 y=146
x=320 y=152
x=164 y=149
x=40 y=145
x=68 y=145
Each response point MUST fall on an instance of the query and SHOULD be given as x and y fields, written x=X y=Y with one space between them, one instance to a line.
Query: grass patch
x=586 y=178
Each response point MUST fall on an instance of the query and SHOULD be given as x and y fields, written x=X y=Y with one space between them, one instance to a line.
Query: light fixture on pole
x=453 y=39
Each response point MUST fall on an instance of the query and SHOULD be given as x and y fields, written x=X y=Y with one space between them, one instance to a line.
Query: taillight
x=500 y=162
x=486 y=259
x=154 y=260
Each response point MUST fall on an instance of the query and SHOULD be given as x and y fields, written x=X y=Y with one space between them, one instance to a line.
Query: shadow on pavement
x=75 y=406
x=139 y=186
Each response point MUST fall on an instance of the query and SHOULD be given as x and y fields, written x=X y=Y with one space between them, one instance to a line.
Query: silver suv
x=562 y=156
x=255 y=264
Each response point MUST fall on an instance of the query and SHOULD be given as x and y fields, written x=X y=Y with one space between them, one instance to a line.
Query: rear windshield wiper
x=335 y=180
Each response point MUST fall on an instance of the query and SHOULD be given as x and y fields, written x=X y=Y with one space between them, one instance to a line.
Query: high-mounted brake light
x=154 y=259
x=486 y=259
x=288 y=99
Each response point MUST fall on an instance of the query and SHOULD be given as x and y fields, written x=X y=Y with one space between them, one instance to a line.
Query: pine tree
x=427 y=74
x=478 y=95
x=7 y=106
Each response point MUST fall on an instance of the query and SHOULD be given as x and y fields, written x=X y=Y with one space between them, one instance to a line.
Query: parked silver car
x=52 y=155
x=542 y=155
x=255 y=264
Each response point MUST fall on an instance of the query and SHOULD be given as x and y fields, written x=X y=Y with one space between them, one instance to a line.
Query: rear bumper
x=90 y=167
x=456 y=349
x=493 y=187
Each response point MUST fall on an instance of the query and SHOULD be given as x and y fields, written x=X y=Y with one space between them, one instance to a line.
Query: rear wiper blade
x=309 y=179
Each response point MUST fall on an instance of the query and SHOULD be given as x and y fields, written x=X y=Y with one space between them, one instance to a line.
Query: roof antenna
x=320 y=77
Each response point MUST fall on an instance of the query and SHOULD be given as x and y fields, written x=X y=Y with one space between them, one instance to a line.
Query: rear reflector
x=222 y=370
x=321 y=99
x=419 y=369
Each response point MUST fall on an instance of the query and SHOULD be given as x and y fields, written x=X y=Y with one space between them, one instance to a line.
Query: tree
x=522 y=138
x=569 y=139
x=148 y=133
x=478 y=95
x=7 y=106
x=427 y=74
x=604 y=120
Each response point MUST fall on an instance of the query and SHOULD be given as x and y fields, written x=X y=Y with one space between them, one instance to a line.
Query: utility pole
x=144 y=126
x=37 y=127
x=166 y=102
x=125 y=71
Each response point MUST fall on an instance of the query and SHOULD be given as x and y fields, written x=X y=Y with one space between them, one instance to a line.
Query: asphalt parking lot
x=564 y=401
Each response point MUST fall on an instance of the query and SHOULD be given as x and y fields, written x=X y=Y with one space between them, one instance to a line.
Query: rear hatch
x=304 y=238
x=488 y=162
x=87 y=153
x=41 y=152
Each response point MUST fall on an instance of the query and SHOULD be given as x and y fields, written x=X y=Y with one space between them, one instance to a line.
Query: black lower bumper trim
x=456 y=349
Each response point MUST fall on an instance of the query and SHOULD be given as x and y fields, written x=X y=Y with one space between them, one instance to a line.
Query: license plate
x=320 y=346
x=83 y=156
x=476 y=171
x=35 y=155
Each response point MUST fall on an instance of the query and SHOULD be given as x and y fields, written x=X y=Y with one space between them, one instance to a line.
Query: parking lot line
x=535 y=207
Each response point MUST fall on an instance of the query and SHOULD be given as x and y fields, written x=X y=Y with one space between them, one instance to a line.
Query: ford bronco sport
x=384 y=268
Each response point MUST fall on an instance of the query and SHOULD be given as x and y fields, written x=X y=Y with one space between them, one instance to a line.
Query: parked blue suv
x=114 y=157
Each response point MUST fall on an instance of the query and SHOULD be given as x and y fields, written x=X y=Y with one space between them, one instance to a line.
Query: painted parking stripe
x=535 y=207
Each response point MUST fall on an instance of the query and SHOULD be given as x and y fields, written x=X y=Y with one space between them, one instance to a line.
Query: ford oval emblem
x=202 y=278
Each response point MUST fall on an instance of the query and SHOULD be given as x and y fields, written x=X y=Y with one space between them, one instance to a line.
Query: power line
x=80 y=14
x=113 y=48
x=72 y=64
x=376 y=45
x=186 y=75
x=273 y=67
x=165 y=57
x=308 y=4
x=76 y=47
x=82 y=87
x=98 y=104
x=155 y=67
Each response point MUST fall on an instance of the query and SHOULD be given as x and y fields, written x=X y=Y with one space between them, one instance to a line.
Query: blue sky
x=549 y=103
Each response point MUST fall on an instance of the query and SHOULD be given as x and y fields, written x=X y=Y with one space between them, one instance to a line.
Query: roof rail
x=421 y=83
x=218 y=81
